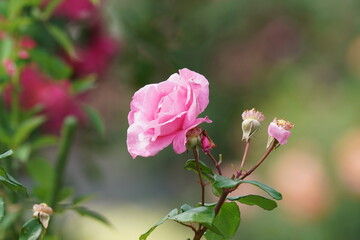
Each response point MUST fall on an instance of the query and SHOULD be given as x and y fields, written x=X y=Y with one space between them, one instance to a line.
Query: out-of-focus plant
x=50 y=54
x=167 y=113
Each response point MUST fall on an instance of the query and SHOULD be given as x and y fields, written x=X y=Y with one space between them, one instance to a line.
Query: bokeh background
x=298 y=60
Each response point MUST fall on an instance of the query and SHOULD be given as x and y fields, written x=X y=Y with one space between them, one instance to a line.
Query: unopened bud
x=193 y=138
x=43 y=212
x=251 y=123
x=206 y=143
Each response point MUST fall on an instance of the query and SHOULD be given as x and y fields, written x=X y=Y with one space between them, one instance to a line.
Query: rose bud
x=279 y=131
x=193 y=138
x=206 y=143
x=43 y=212
x=251 y=123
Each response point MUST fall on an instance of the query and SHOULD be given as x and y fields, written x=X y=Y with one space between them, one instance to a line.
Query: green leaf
x=49 y=9
x=185 y=207
x=11 y=183
x=53 y=66
x=95 y=120
x=6 y=47
x=23 y=153
x=224 y=182
x=31 y=230
x=2 y=210
x=260 y=201
x=81 y=199
x=8 y=220
x=198 y=215
x=84 y=211
x=272 y=192
x=63 y=39
x=169 y=215
x=95 y=2
x=44 y=141
x=83 y=84
x=227 y=221
x=205 y=170
x=26 y=128
x=6 y=154
x=41 y=171
x=65 y=193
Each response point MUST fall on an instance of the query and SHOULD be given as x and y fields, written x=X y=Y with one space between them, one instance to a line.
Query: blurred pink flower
x=279 y=130
x=9 y=66
x=162 y=113
x=347 y=152
x=27 y=43
x=53 y=96
x=23 y=54
x=299 y=174
x=75 y=9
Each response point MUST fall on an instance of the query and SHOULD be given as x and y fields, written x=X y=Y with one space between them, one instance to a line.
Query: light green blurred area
x=298 y=60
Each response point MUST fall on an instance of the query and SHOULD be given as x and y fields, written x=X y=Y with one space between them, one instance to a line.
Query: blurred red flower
x=74 y=9
x=53 y=96
x=94 y=56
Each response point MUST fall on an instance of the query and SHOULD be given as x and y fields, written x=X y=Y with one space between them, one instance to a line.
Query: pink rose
x=279 y=130
x=162 y=113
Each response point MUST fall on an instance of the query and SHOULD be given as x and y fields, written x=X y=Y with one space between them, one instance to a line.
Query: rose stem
x=196 y=156
x=64 y=149
x=226 y=192
x=216 y=163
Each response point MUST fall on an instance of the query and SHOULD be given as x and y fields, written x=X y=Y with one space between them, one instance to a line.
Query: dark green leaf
x=51 y=65
x=205 y=170
x=224 y=182
x=2 y=210
x=272 y=192
x=11 y=183
x=84 y=211
x=198 y=215
x=169 y=215
x=26 y=128
x=96 y=120
x=260 y=201
x=63 y=39
x=227 y=221
x=31 y=230
x=6 y=154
